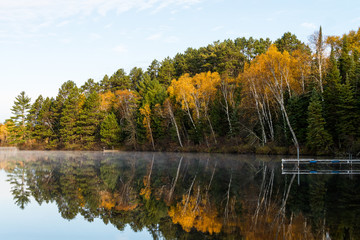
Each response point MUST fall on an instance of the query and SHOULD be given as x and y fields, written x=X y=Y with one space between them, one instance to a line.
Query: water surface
x=92 y=195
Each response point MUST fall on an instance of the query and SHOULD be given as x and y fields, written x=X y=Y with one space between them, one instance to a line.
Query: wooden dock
x=8 y=149
x=320 y=166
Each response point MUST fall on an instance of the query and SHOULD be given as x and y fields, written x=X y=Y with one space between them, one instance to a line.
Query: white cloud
x=65 y=40
x=63 y=23
x=120 y=48
x=25 y=10
x=309 y=25
x=217 y=28
x=36 y=16
x=172 y=39
x=154 y=37
x=108 y=26
x=95 y=36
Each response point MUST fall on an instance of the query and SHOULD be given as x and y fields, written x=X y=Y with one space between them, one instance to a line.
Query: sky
x=44 y=43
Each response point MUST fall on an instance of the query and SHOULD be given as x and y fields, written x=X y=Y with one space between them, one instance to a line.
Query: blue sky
x=44 y=43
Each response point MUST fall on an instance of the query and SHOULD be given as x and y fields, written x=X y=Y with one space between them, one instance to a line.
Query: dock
x=8 y=149
x=320 y=166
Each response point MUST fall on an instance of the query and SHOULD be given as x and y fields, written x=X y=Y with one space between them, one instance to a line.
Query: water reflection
x=188 y=196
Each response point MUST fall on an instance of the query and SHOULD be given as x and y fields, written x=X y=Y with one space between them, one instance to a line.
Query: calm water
x=86 y=195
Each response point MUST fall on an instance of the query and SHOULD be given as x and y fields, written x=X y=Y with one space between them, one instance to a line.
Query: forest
x=239 y=96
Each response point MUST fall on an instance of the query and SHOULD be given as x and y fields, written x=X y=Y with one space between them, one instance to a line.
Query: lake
x=137 y=195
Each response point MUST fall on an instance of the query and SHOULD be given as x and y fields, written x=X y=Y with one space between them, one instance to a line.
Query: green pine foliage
x=18 y=130
x=89 y=120
x=120 y=81
x=110 y=131
x=68 y=119
x=346 y=62
x=318 y=139
x=331 y=94
x=43 y=129
x=348 y=122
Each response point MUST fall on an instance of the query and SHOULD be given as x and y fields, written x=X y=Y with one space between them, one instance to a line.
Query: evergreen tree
x=331 y=94
x=69 y=117
x=151 y=91
x=166 y=71
x=346 y=62
x=289 y=42
x=298 y=111
x=153 y=69
x=154 y=95
x=19 y=110
x=64 y=93
x=105 y=84
x=44 y=127
x=318 y=139
x=34 y=113
x=120 y=81
x=90 y=86
x=89 y=120
x=348 y=122
x=135 y=76
x=110 y=130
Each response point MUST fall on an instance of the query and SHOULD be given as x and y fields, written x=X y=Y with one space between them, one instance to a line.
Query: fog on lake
x=95 y=195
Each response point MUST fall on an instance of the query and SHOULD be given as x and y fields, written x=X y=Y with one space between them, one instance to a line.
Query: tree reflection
x=19 y=189
x=189 y=196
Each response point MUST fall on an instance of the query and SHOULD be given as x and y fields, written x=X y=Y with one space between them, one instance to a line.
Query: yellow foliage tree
x=107 y=100
x=194 y=94
x=3 y=133
x=269 y=77
x=146 y=112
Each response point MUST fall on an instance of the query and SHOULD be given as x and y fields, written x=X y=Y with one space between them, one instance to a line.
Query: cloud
x=37 y=16
x=309 y=25
x=154 y=37
x=172 y=39
x=108 y=26
x=65 y=40
x=217 y=28
x=120 y=48
x=63 y=23
x=95 y=36
x=25 y=10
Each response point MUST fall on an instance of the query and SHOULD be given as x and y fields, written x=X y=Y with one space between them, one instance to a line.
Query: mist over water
x=95 y=195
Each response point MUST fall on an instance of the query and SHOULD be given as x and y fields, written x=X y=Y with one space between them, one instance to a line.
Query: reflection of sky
x=45 y=222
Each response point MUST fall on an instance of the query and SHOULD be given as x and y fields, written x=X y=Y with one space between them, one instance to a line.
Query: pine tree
x=347 y=116
x=34 y=113
x=110 y=130
x=20 y=110
x=331 y=94
x=69 y=117
x=135 y=76
x=66 y=90
x=120 y=81
x=105 y=84
x=44 y=127
x=346 y=62
x=90 y=86
x=154 y=95
x=166 y=71
x=88 y=121
x=318 y=139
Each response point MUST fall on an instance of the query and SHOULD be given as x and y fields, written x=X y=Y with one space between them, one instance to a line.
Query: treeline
x=242 y=95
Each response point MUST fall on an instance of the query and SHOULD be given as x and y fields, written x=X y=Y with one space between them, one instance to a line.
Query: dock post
x=298 y=158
